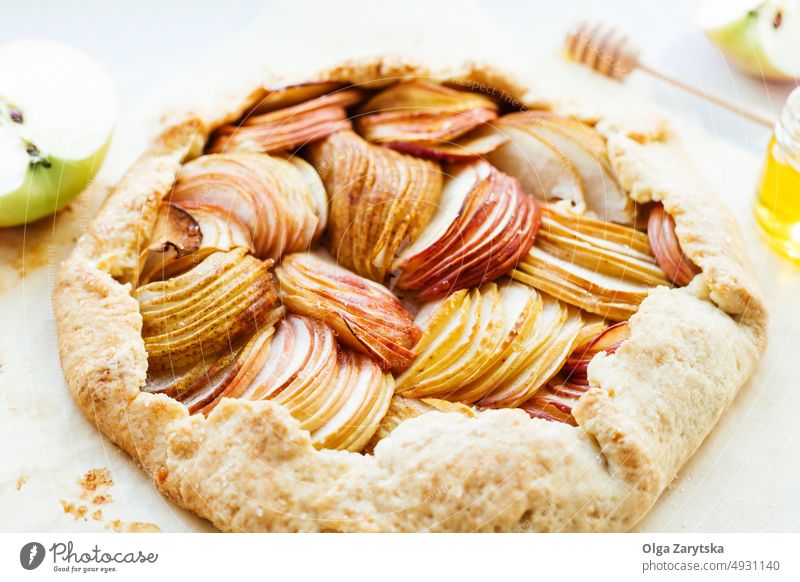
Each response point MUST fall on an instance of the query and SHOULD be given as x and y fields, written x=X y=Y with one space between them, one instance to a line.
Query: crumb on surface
x=21 y=481
x=93 y=480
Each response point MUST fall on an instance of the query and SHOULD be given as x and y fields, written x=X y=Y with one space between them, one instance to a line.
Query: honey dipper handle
x=751 y=115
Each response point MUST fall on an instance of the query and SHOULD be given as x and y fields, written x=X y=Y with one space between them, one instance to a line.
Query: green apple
x=760 y=36
x=58 y=106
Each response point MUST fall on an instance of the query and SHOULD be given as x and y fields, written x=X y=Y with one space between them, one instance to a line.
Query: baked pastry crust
x=248 y=466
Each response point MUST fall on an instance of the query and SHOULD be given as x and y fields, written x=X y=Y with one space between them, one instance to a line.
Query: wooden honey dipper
x=610 y=52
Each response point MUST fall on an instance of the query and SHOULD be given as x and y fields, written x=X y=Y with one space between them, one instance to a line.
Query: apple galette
x=385 y=299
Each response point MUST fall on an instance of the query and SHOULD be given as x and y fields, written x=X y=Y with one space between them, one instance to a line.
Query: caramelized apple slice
x=666 y=248
x=365 y=315
x=204 y=310
x=175 y=235
x=379 y=200
x=290 y=127
x=215 y=229
x=483 y=226
x=423 y=111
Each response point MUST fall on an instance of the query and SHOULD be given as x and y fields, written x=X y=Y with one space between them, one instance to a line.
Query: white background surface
x=144 y=43
x=745 y=477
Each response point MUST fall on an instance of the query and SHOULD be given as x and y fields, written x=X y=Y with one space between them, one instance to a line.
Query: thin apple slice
x=202 y=311
x=379 y=200
x=605 y=247
x=543 y=364
x=417 y=125
x=460 y=182
x=365 y=314
x=300 y=371
x=600 y=267
x=483 y=226
x=221 y=231
x=438 y=346
x=542 y=169
x=478 y=143
x=575 y=369
x=278 y=200
x=232 y=371
x=369 y=423
x=420 y=93
x=288 y=128
x=178 y=244
x=550 y=406
x=514 y=310
x=291 y=95
x=667 y=249
x=530 y=343
x=560 y=386
x=589 y=290
x=578 y=149
x=423 y=111
x=369 y=394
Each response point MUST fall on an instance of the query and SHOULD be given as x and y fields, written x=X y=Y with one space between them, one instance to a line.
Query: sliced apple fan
x=379 y=200
x=224 y=298
x=600 y=267
x=483 y=226
x=282 y=123
x=280 y=201
x=326 y=343
x=365 y=315
x=429 y=120
x=557 y=158
x=495 y=345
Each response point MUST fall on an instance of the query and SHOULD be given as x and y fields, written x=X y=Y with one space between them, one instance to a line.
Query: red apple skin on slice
x=365 y=315
x=667 y=249
x=288 y=128
x=576 y=368
x=477 y=143
x=421 y=126
x=494 y=226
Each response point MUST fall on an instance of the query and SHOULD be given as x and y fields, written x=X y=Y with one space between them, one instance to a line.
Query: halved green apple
x=762 y=37
x=57 y=111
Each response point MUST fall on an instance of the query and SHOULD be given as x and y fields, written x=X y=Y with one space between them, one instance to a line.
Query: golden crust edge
x=105 y=369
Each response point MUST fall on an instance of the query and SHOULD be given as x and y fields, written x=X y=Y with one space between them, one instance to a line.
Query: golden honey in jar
x=778 y=203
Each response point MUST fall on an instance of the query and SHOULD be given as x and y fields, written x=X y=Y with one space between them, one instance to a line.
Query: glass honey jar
x=778 y=203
